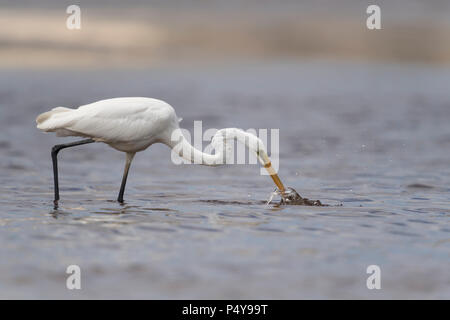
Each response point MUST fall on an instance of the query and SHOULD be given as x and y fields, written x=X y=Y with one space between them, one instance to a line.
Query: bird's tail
x=44 y=117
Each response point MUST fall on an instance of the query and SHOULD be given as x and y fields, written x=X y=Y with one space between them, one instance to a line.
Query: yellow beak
x=275 y=177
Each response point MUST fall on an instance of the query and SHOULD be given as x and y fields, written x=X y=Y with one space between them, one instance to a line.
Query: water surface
x=374 y=138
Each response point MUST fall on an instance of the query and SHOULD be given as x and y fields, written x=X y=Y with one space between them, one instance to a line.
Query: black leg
x=55 y=151
x=130 y=157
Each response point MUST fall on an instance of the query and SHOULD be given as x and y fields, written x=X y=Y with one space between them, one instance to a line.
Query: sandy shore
x=33 y=38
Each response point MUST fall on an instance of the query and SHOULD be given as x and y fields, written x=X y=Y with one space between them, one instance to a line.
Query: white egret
x=133 y=124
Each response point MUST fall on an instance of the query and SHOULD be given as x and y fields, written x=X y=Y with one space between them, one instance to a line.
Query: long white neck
x=222 y=149
x=221 y=146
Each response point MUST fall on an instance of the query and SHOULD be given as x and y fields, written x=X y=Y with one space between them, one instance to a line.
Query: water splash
x=291 y=197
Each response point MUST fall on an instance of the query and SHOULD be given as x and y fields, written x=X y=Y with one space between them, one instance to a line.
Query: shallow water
x=374 y=138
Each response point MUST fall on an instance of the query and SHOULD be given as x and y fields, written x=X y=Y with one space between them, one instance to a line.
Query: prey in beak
x=288 y=195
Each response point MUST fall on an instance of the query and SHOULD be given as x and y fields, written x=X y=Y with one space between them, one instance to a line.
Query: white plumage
x=132 y=124
x=126 y=124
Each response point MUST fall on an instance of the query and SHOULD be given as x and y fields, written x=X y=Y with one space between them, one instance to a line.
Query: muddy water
x=374 y=138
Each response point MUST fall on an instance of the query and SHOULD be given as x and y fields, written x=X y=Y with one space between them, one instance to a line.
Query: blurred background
x=146 y=33
x=364 y=123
